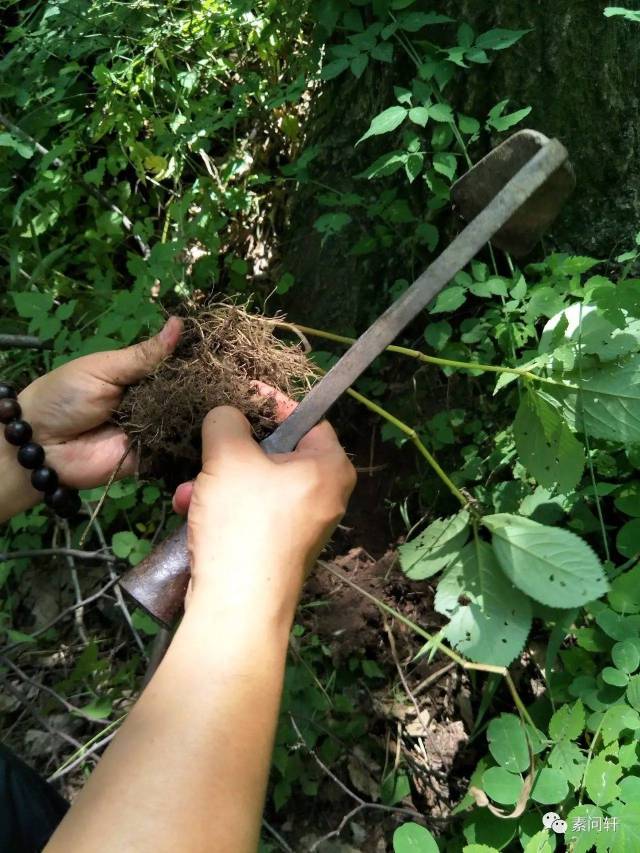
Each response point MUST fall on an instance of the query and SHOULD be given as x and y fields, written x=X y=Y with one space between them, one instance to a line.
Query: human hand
x=70 y=407
x=257 y=523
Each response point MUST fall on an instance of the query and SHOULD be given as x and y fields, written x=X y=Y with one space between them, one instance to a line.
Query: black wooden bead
x=9 y=410
x=44 y=480
x=64 y=501
x=31 y=455
x=7 y=392
x=18 y=432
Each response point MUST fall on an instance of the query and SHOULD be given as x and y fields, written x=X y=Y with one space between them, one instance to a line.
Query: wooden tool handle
x=159 y=583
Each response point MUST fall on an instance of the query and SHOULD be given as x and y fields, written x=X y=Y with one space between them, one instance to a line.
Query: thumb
x=227 y=433
x=131 y=364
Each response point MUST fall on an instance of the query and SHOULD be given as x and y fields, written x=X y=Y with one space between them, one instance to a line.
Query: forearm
x=189 y=768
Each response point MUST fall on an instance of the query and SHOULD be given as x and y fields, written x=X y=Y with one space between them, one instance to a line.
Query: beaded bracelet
x=64 y=501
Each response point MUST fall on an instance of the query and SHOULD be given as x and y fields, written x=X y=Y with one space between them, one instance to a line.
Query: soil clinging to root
x=222 y=352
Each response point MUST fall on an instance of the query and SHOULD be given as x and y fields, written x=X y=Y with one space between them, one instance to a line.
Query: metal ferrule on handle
x=159 y=582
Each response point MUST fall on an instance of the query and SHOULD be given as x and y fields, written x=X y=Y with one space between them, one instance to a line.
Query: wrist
x=16 y=492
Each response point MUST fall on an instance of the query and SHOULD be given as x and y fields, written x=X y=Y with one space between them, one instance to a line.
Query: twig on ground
x=86 y=752
x=23 y=342
x=122 y=604
x=48 y=690
x=56 y=552
x=78 y=613
x=361 y=803
x=275 y=834
x=29 y=709
x=63 y=613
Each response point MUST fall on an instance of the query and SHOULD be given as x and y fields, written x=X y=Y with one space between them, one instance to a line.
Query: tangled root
x=222 y=352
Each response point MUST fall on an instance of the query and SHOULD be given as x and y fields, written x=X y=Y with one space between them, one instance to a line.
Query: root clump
x=222 y=352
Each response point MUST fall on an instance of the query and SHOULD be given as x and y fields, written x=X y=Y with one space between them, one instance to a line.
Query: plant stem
x=428 y=359
x=414 y=438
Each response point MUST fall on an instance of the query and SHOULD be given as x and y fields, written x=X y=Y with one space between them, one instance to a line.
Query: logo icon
x=553 y=821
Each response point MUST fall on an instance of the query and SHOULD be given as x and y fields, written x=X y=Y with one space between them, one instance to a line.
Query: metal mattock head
x=475 y=189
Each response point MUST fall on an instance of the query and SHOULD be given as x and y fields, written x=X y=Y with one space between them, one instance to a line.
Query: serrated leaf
x=567 y=723
x=385 y=122
x=503 y=787
x=541 y=842
x=449 y=299
x=584 y=828
x=567 y=758
x=616 y=719
x=552 y=565
x=434 y=548
x=550 y=787
x=489 y=619
x=504 y=122
x=624 y=595
x=413 y=838
x=605 y=401
x=633 y=692
x=627 y=834
x=387 y=164
x=545 y=444
x=601 y=780
x=508 y=743
x=334 y=69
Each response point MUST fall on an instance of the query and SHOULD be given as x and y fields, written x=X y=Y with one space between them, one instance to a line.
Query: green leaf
x=99 y=709
x=413 y=838
x=627 y=834
x=584 y=828
x=383 y=52
x=332 y=223
x=621 y=12
x=489 y=619
x=499 y=39
x=628 y=499
x=550 y=787
x=445 y=164
x=552 y=565
x=624 y=595
x=628 y=538
x=385 y=122
x=22 y=147
x=435 y=547
x=123 y=543
x=504 y=122
x=541 y=842
x=411 y=22
x=449 y=299
x=614 y=677
x=567 y=758
x=387 y=164
x=616 y=719
x=419 y=115
x=413 y=166
x=633 y=692
x=144 y=623
x=437 y=334
x=567 y=723
x=508 y=743
x=503 y=787
x=441 y=112
x=359 y=64
x=32 y=303
x=467 y=124
x=395 y=787
x=626 y=656
x=333 y=69
x=601 y=780
x=610 y=396
x=545 y=444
